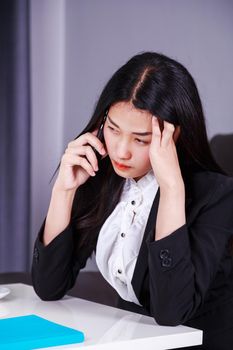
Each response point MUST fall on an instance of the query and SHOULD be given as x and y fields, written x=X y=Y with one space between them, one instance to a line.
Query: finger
x=95 y=132
x=91 y=157
x=90 y=139
x=176 y=134
x=84 y=151
x=161 y=122
x=167 y=134
x=83 y=162
x=73 y=160
x=156 y=133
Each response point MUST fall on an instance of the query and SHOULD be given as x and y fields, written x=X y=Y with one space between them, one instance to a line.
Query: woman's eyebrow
x=146 y=133
x=117 y=126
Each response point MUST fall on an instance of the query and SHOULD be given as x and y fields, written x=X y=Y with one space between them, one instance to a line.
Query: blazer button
x=165 y=256
x=164 y=253
x=166 y=262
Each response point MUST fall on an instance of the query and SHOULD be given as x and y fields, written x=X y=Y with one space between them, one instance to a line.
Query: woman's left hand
x=163 y=155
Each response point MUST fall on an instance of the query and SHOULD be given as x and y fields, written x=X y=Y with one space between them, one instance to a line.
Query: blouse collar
x=143 y=183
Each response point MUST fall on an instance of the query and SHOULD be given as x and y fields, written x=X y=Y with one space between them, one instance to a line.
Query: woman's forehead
x=125 y=114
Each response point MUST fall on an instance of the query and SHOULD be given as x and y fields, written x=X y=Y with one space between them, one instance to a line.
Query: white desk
x=105 y=328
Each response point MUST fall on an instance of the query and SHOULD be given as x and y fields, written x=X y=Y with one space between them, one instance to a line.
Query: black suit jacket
x=185 y=278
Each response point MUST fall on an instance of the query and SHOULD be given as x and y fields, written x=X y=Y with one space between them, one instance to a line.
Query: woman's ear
x=176 y=134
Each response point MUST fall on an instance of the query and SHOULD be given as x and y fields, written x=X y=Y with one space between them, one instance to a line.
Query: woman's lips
x=121 y=166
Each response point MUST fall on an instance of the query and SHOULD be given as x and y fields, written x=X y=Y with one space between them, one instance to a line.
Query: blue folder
x=34 y=332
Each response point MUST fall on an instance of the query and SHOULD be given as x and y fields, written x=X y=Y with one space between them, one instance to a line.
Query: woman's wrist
x=62 y=193
x=59 y=213
x=173 y=189
x=171 y=211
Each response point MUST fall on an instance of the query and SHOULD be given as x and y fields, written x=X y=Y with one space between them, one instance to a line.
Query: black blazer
x=185 y=278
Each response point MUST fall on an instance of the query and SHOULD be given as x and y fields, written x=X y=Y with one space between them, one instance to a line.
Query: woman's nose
x=123 y=150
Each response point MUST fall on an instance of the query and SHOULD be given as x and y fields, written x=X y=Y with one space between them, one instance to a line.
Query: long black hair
x=162 y=86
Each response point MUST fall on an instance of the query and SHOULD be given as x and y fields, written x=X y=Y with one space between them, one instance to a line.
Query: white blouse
x=121 y=235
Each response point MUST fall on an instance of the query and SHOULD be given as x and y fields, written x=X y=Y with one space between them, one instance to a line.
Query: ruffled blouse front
x=121 y=235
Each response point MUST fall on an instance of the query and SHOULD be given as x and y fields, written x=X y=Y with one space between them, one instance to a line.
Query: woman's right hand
x=79 y=162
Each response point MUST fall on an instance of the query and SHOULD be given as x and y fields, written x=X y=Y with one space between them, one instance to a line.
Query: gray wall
x=93 y=38
x=102 y=35
x=47 y=91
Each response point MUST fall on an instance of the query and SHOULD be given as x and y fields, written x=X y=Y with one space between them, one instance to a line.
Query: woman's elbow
x=48 y=293
x=167 y=316
x=163 y=320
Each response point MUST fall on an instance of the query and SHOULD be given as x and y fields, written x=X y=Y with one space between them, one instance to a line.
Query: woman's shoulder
x=210 y=179
x=210 y=200
x=207 y=186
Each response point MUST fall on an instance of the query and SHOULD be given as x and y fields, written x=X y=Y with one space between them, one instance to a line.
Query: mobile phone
x=100 y=135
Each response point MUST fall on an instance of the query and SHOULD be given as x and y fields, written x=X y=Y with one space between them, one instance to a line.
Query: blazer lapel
x=141 y=266
x=142 y=260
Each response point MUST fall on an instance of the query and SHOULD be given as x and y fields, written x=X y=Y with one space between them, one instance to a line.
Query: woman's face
x=127 y=134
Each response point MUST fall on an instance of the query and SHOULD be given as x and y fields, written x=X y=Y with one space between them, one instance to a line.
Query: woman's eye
x=114 y=131
x=142 y=142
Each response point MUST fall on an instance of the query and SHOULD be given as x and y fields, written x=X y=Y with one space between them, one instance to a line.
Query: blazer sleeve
x=56 y=266
x=183 y=265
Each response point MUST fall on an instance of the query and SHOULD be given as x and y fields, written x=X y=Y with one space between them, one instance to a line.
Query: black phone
x=100 y=135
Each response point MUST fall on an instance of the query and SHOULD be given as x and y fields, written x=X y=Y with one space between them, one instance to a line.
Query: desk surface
x=105 y=327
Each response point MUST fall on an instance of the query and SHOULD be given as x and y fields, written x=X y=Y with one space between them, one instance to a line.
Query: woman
x=156 y=208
